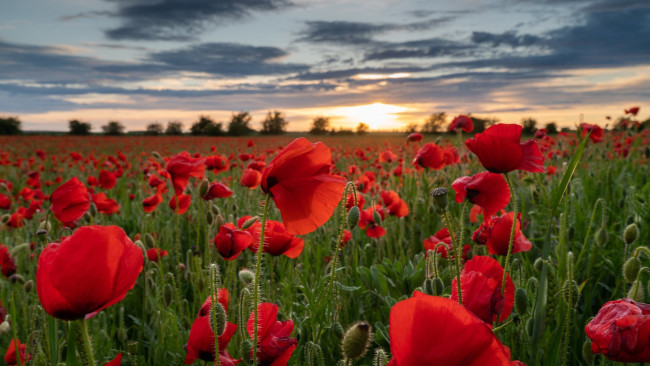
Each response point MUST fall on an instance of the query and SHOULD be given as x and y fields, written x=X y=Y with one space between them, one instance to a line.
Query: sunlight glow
x=378 y=116
x=397 y=75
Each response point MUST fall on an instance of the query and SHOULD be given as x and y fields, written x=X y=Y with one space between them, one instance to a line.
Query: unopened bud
x=204 y=187
x=5 y=218
x=440 y=197
x=587 y=354
x=356 y=341
x=637 y=292
x=93 y=210
x=376 y=217
x=28 y=286
x=521 y=301
x=181 y=267
x=218 y=318
x=601 y=237
x=631 y=269
x=438 y=286
x=353 y=217
x=215 y=210
x=45 y=226
x=168 y=294
x=149 y=242
x=570 y=292
x=381 y=359
x=16 y=278
x=246 y=346
x=428 y=287
x=338 y=329
x=248 y=223
x=246 y=276
x=219 y=220
x=155 y=154
x=631 y=233
x=538 y=264
x=209 y=217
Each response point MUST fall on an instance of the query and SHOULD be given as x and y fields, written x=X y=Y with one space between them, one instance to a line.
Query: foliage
x=528 y=125
x=434 y=123
x=79 y=128
x=274 y=124
x=207 y=126
x=239 y=124
x=551 y=128
x=411 y=127
x=174 y=128
x=113 y=128
x=320 y=126
x=362 y=128
x=154 y=129
x=480 y=124
x=10 y=126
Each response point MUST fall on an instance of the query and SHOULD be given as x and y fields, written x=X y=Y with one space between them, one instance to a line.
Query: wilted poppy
x=70 y=201
x=461 y=338
x=430 y=156
x=486 y=189
x=299 y=181
x=461 y=122
x=500 y=150
x=275 y=345
x=621 y=331
x=230 y=242
x=87 y=272
x=495 y=233
x=481 y=283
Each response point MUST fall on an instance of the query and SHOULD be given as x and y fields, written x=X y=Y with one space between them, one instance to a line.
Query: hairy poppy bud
x=601 y=237
x=356 y=341
x=155 y=154
x=521 y=301
x=16 y=278
x=570 y=292
x=218 y=318
x=438 y=286
x=538 y=264
x=376 y=217
x=219 y=220
x=246 y=276
x=149 y=242
x=248 y=223
x=631 y=269
x=28 y=286
x=637 y=292
x=209 y=217
x=586 y=352
x=215 y=210
x=440 y=197
x=168 y=294
x=5 y=218
x=353 y=217
x=204 y=187
x=93 y=210
x=630 y=234
x=246 y=346
x=381 y=359
x=428 y=287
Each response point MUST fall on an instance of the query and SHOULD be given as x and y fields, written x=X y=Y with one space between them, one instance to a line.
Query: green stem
x=258 y=270
x=13 y=327
x=513 y=197
x=337 y=245
x=457 y=252
x=87 y=345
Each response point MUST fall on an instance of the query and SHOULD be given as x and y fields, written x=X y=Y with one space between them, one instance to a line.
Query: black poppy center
x=471 y=194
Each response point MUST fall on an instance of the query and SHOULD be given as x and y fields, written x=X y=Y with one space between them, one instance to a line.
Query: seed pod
x=28 y=286
x=630 y=234
x=440 y=197
x=204 y=187
x=248 y=223
x=601 y=237
x=631 y=269
x=356 y=341
x=246 y=276
x=571 y=292
x=586 y=353
x=353 y=217
x=149 y=242
x=521 y=301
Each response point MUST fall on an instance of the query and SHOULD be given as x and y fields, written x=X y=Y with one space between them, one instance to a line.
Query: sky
x=385 y=63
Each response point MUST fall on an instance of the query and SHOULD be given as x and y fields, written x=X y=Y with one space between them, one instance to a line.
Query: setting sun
x=378 y=116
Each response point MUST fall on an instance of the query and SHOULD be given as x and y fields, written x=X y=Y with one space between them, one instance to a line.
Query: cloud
x=181 y=20
x=511 y=39
x=425 y=48
x=87 y=14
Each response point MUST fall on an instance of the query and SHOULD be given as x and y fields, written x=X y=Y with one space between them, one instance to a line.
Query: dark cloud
x=181 y=20
x=511 y=39
x=426 y=48
x=87 y=14
x=347 y=73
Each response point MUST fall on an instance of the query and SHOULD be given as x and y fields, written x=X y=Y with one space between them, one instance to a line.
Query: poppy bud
x=631 y=269
x=353 y=217
x=5 y=218
x=356 y=341
x=438 y=286
x=246 y=346
x=246 y=276
x=16 y=278
x=155 y=154
x=571 y=292
x=181 y=267
x=29 y=285
x=15 y=251
x=440 y=197
x=45 y=225
x=248 y=223
x=149 y=242
x=338 y=329
x=601 y=237
x=630 y=234
x=93 y=210
x=428 y=287
x=209 y=217
x=204 y=187
x=5 y=326
x=636 y=292
x=538 y=264
x=521 y=301
x=168 y=294
x=219 y=220
x=529 y=327
x=380 y=358
x=140 y=245
x=218 y=318
x=586 y=352
x=215 y=210
x=376 y=217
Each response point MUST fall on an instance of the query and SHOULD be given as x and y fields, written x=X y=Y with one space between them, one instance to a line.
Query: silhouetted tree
x=174 y=128
x=411 y=127
x=207 y=126
x=480 y=124
x=551 y=128
x=113 y=128
x=434 y=122
x=154 y=129
x=529 y=126
x=274 y=124
x=10 y=126
x=362 y=128
x=79 y=128
x=342 y=132
x=320 y=125
x=240 y=124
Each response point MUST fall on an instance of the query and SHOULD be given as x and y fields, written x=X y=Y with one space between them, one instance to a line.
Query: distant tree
x=320 y=125
x=342 y=132
x=480 y=124
x=434 y=122
x=207 y=126
x=362 y=128
x=154 y=129
x=113 y=128
x=551 y=128
x=529 y=126
x=411 y=127
x=274 y=124
x=565 y=129
x=174 y=128
x=10 y=126
x=239 y=124
x=79 y=128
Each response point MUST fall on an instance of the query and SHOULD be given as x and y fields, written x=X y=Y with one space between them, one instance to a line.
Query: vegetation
x=79 y=128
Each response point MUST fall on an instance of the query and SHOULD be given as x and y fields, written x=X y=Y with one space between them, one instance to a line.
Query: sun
x=378 y=116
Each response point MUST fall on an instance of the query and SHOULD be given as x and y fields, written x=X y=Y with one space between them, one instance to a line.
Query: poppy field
x=462 y=248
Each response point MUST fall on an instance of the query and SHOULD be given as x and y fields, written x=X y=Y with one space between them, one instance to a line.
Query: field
x=579 y=215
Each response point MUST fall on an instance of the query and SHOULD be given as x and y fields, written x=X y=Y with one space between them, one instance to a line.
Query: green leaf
x=559 y=191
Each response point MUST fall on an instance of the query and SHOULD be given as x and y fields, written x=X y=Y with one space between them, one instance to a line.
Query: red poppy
x=486 y=189
x=481 y=283
x=155 y=254
x=150 y=203
x=596 y=132
x=70 y=201
x=180 y=203
x=495 y=233
x=500 y=151
x=633 y=111
x=396 y=206
x=367 y=222
x=461 y=338
x=223 y=298
x=181 y=167
x=217 y=190
x=301 y=185
x=10 y=355
x=461 y=122
x=274 y=344
x=474 y=212
x=251 y=178
x=200 y=343
x=414 y=137
x=7 y=264
x=87 y=272
x=230 y=242
x=107 y=179
x=104 y=204
x=217 y=163
x=117 y=361
x=387 y=157
x=621 y=331
x=430 y=156
x=16 y=219
x=277 y=240
x=443 y=237
x=5 y=202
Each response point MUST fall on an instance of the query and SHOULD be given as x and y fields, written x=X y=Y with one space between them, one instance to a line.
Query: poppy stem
x=337 y=245
x=87 y=346
x=512 y=237
x=214 y=288
x=258 y=270
x=456 y=245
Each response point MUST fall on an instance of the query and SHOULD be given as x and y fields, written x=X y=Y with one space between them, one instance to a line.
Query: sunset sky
x=385 y=63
